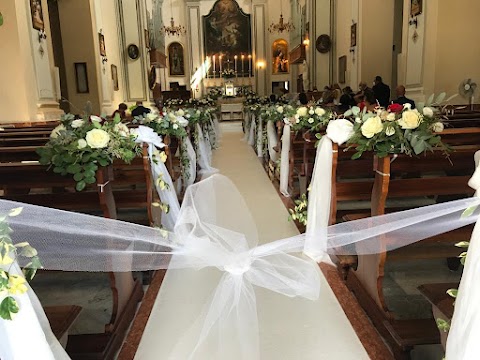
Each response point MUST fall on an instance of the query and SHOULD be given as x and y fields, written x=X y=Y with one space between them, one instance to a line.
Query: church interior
x=345 y=131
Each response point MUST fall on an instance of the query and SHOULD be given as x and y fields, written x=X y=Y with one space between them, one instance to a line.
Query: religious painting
x=81 y=78
x=280 y=57
x=227 y=32
x=353 y=35
x=176 y=59
x=342 y=69
x=37 y=15
x=115 y=77
x=147 y=39
x=101 y=42
x=133 y=51
x=416 y=7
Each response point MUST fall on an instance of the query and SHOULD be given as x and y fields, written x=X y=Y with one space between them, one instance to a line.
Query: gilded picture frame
x=416 y=7
x=280 y=63
x=37 y=15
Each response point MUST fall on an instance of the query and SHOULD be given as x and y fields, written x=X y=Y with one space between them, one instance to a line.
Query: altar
x=231 y=109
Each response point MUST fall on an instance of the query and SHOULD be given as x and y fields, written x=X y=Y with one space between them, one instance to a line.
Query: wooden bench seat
x=61 y=319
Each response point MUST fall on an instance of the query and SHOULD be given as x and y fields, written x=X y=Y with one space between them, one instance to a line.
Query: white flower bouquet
x=78 y=147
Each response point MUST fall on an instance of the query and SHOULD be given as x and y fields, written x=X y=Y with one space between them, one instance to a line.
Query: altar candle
x=235 y=57
x=243 y=69
x=214 y=66
x=220 y=60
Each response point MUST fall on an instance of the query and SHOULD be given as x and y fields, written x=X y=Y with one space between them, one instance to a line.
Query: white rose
x=410 y=120
x=55 y=132
x=390 y=130
x=198 y=112
x=97 y=138
x=339 y=131
x=319 y=111
x=438 y=127
x=175 y=126
x=180 y=112
x=122 y=129
x=371 y=127
x=311 y=112
x=96 y=118
x=297 y=121
x=151 y=117
x=302 y=111
x=77 y=123
x=188 y=116
x=182 y=121
x=428 y=111
x=280 y=109
x=391 y=117
x=81 y=144
x=310 y=120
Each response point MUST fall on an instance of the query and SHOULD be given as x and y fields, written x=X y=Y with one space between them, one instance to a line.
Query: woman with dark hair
x=370 y=101
x=347 y=100
x=302 y=98
x=122 y=111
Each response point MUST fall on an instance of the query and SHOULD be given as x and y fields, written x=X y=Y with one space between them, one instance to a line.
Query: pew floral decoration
x=312 y=118
x=397 y=129
x=78 y=147
x=13 y=284
x=169 y=124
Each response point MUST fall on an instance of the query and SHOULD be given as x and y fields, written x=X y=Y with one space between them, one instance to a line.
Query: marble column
x=260 y=46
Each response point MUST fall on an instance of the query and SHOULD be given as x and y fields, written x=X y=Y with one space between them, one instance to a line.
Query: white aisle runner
x=290 y=329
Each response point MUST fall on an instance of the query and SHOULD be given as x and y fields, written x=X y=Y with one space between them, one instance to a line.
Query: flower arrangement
x=228 y=73
x=13 y=284
x=215 y=93
x=170 y=124
x=310 y=118
x=79 y=146
x=397 y=129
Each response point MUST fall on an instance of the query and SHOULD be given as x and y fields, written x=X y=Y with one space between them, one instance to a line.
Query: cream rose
x=280 y=109
x=77 y=123
x=428 y=111
x=180 y=112
x=438 y=127
x=151 y=117
x=391 y=117
x=97 y=138
x=311 y=121
x=410 y=120
x=82 y=144
x=302 y=111
x=320 y=111
x=371 y=127
x=311 y=111
x=55 y=132
x=339 y=131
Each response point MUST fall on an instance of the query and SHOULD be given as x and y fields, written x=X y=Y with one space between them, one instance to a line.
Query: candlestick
x=214 y=66
x=243 y=69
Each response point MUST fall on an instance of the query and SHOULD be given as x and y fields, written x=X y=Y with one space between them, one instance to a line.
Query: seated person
x=370 y=101
x=401 y=98
x=122 y=111
x=359 y=96
x=140 y=110
x=381 y=91
x=347 y=100
x=302 y=98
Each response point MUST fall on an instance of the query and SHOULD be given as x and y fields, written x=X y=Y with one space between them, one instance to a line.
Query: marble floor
x=92 y=292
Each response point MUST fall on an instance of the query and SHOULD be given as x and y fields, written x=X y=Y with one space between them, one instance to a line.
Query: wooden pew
x=405 y=178
x=34 y=188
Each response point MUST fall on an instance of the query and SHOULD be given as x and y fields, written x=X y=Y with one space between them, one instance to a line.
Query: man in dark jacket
x=401 y=98
x=382 y=92
x=140 y=110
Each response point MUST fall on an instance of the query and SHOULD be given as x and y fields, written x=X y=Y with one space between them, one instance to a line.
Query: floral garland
x=228 y=73
x=11 y=284
x=79 y=146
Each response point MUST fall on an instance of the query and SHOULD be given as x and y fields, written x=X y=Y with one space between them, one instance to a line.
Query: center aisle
x=290 y=329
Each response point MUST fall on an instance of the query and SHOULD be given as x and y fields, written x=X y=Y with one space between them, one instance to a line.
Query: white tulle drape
x=260 y=136
x=192 y=162
x=204 y=154
x=216 y=127
x=28 y=335
x=272 y=141
x=159 y=170
x=248 y=124
x=285 y=161
x=251 y=133
x=463 y=339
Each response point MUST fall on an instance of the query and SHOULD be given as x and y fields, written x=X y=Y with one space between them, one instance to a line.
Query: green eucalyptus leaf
x=430 y=100
x=440 y=98
x=81 y=185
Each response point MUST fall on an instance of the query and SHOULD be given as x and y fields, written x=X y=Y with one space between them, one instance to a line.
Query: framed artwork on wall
x=81 y=78
x=115 y=77
x=133 y=51
x=37 y=15
x=353 y=35
x=342 y=69
x=416 y=7
x=280 y=57
x=176 y=59
x=101 y=43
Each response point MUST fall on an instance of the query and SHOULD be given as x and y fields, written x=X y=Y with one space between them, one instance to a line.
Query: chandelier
x=281 y=26
x=173 y=30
